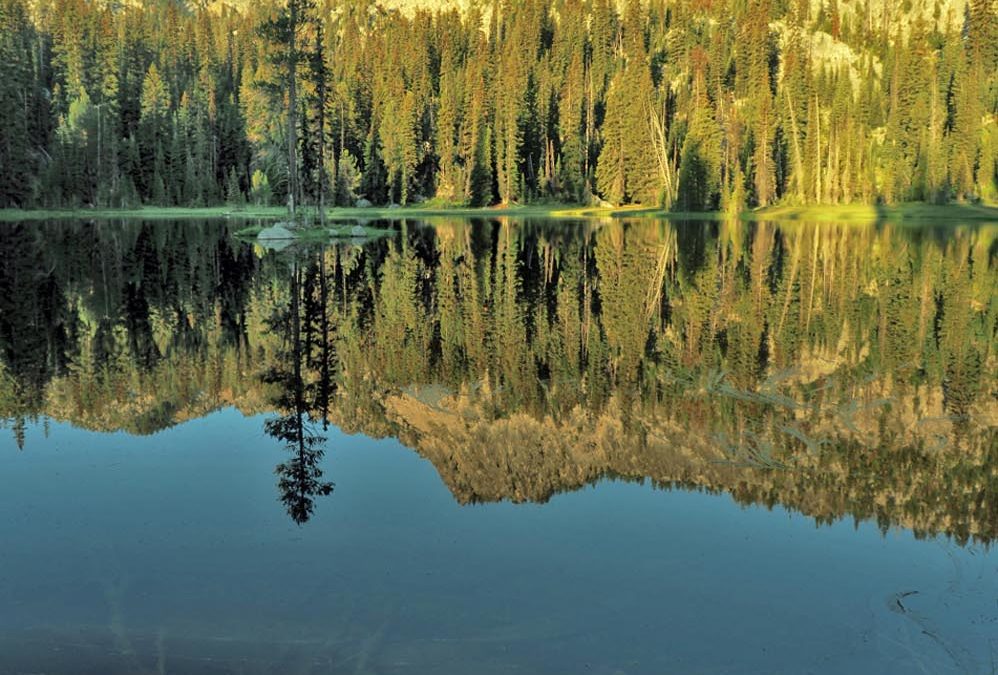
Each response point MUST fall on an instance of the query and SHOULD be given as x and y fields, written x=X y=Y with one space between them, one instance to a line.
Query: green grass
x=145 y=213
x=865 y=213
x=853 y=213
x=837 y=213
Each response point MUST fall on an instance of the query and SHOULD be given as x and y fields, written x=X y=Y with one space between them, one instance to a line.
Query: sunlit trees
x=626 y=171
x=700 y=161
x=663 y=104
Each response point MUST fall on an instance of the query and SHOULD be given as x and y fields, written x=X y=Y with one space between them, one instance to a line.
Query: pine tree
x=763 y=120
x=700 y=162
x=571 y=132
x=153 y=136
x=285 y=31
x=611 y=169
x=373 y=184
x=793 y=101
x=17 y=81
x=476 y=135
x=450 y=181
x=626 y=171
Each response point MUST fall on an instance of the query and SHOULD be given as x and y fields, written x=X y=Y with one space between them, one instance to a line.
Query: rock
x=278 y=231
x=357 y=231
x=394 y=206
x=363 y=203
x=276 y=237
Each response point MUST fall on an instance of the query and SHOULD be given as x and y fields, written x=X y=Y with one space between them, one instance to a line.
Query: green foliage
x=625 y=172
x=700 y=162
x=22 y=104
x=348 y=179
x=645 y=104
x=260 y=191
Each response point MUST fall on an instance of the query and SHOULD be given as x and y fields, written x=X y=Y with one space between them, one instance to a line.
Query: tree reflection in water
x=300 y=477
x=837 y=370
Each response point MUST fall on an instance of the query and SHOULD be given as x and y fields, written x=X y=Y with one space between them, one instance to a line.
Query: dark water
x=495 y=447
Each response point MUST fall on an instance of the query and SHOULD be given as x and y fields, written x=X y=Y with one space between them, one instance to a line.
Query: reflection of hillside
x=524 y=458
x=836 y=370
x=840 y=371
x=144 y=403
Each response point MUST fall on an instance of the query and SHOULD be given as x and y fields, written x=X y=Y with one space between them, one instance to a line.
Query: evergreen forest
x=682 y=104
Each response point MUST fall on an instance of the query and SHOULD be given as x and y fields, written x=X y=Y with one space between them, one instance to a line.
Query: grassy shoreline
x=851 y=213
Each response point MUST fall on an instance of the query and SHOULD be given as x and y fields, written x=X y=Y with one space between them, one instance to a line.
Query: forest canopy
x=686 y=104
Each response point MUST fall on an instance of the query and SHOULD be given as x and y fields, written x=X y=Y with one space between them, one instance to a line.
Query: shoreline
x=846 y=213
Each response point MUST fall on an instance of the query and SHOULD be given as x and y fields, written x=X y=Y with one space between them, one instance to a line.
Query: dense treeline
x=692 y=104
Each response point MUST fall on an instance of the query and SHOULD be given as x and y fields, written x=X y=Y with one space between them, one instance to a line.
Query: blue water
x=172 y=553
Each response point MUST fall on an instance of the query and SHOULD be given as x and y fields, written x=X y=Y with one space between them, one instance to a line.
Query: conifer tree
x=154 y=133
x=17 y=83
x=700 y=162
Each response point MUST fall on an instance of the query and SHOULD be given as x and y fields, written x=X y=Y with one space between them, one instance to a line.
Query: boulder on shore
x=275 y=237
x=363 y=203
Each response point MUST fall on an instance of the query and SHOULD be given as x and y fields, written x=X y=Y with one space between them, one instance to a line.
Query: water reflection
x=300 y=478
x=837 y=370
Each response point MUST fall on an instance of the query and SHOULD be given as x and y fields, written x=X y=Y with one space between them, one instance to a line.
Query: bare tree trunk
x=817 y=153
x=292 y=106
x=798 y=157
x=320 y=57
x=667 y=172
x=590 y=113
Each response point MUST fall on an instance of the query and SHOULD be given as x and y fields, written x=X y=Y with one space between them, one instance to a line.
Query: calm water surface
x=498 y=447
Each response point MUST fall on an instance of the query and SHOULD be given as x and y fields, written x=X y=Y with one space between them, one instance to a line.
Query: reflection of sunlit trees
x=402 y=338
x=566 y=348
x=824 y=350
x=629 y=281
x=514 y=370
x=453 y=295
x=861 y=359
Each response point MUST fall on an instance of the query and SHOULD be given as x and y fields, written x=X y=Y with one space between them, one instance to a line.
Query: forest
x=683 y=104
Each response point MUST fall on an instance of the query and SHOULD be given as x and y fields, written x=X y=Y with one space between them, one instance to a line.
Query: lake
x=499 y=446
